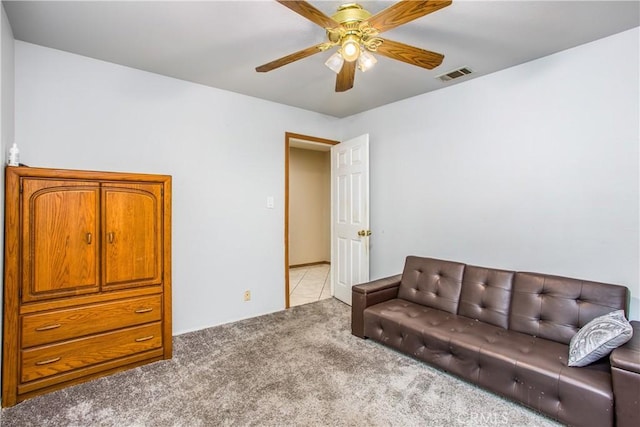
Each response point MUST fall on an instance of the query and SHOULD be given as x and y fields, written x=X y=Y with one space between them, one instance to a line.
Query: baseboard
x=309 y=264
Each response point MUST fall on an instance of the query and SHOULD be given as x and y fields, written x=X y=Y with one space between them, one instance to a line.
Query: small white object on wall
x=14 y=155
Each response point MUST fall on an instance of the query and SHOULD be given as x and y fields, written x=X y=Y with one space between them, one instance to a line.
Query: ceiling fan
x=356 y=31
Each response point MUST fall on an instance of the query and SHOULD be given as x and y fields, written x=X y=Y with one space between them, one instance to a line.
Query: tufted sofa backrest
x=432 y=283
x=541 y=305
x=555 y=307
x=486 y=295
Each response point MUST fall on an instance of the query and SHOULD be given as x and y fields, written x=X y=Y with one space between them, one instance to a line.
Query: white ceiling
x=219 y=43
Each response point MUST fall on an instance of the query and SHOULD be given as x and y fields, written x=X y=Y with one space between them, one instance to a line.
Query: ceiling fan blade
x=410 y=54
x=289 y=59
x=311 y=13
x=403 y=12
x=345 y=78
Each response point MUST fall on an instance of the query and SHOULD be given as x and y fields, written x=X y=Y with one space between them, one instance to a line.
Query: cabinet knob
x=147 y=338
x=110 y=236
x=143 y=310
x=89 y=238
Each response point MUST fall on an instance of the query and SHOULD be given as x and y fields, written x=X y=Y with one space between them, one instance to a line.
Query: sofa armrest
x=627 y=356
x=625 y=374
x=367 y=294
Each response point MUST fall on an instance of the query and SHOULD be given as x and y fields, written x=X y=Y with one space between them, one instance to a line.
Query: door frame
x=288 y=137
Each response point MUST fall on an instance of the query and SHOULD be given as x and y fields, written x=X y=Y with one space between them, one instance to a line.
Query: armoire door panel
x=132 y=235
x=60 y=239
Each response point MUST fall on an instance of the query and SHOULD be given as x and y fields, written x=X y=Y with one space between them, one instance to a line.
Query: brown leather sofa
x=508 y=332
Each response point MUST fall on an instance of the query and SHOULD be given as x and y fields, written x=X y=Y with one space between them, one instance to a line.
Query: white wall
x=6 y=93
x=6 y=121
x=532 y=168
x=225 y=152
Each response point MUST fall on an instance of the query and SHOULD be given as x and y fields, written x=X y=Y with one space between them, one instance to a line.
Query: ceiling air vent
x=454 y=74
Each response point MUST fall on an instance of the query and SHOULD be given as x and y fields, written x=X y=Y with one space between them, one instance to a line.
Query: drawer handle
x=48 y=327
x=46 y=362
x=143 y=310
x=147 y=338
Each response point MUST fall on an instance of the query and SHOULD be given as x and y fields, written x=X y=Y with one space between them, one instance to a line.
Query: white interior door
x=349 y=216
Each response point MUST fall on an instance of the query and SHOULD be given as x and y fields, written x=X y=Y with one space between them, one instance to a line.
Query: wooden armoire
x=87 y=276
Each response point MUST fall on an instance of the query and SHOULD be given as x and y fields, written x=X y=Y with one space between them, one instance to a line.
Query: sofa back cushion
x=486 y=295
x=555 y=307
x=432 y=283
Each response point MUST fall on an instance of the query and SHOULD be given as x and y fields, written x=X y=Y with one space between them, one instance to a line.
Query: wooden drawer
x=59 y=325
x=41 y=362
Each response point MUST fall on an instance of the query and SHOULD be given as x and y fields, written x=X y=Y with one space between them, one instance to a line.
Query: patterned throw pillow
x=598 y=338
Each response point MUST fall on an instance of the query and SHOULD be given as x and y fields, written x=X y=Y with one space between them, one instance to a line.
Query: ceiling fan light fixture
x=350 y=48
x=335 y=62
x=354 y=31
x=366 y=61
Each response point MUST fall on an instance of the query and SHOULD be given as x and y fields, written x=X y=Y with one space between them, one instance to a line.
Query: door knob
x=363 y=233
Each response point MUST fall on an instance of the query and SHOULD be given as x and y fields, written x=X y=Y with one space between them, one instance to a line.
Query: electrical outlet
x=247 y=295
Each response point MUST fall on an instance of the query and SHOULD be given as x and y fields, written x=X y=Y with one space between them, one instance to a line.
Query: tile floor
x=309 y=284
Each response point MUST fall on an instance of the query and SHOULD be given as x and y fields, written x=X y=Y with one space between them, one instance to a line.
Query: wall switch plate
x=270 y=202
x=247 y=295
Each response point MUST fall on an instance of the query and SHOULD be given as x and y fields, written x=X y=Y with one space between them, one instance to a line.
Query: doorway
x=311 y=261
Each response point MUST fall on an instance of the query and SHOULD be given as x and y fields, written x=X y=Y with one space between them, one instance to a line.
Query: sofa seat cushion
x=525 y=368
x=534 y=371
x=392 y=321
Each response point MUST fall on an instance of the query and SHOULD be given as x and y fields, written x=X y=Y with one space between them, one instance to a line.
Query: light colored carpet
x=299 y=367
